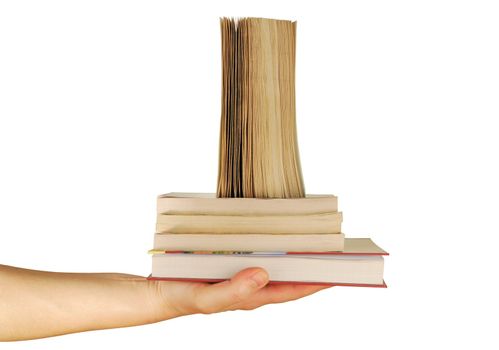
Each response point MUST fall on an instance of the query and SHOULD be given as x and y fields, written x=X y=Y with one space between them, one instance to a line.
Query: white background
x=106 y=104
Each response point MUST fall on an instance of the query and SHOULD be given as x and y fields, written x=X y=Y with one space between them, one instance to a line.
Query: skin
x=38 y=304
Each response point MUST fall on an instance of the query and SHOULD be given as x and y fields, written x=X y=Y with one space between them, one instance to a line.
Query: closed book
x=361 y=264
x=251 y=224
x=209 y=204
x=250 y=242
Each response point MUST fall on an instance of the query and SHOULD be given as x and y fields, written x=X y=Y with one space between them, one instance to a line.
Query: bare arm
x=36 y=304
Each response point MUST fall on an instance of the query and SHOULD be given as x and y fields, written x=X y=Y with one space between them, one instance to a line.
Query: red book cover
x=271 y=282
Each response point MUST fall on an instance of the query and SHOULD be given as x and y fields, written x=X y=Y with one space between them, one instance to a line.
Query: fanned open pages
x=258 y=141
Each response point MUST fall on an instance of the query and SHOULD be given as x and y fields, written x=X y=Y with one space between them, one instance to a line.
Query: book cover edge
x=216 y=280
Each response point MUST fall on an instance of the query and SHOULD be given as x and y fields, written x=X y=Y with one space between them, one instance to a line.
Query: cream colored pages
x=249 y=242
x=258 y=139
x=208 y=204
x=226 y=224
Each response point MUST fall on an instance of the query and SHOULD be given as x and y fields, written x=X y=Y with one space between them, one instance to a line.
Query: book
x=364 y=268
x=258 y=153
x=208 y=203
x=238 y=224
x=250 y=242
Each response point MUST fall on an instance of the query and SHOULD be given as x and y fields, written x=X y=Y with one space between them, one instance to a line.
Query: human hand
x=247 y=290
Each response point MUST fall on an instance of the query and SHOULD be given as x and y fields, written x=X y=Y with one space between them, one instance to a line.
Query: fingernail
x=260 y=278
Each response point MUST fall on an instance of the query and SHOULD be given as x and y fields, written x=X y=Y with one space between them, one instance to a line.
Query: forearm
x=35 y=304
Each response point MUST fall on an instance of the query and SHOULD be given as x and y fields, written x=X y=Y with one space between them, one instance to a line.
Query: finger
x=280 y=293
x=221 y=296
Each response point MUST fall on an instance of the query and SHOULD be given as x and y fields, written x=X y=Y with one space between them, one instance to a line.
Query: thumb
x=221 y=296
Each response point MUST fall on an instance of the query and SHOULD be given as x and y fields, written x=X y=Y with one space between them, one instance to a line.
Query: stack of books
x=260 y=215
x=202 y=237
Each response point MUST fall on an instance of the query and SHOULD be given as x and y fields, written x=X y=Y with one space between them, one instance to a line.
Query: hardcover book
x=360 y=264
